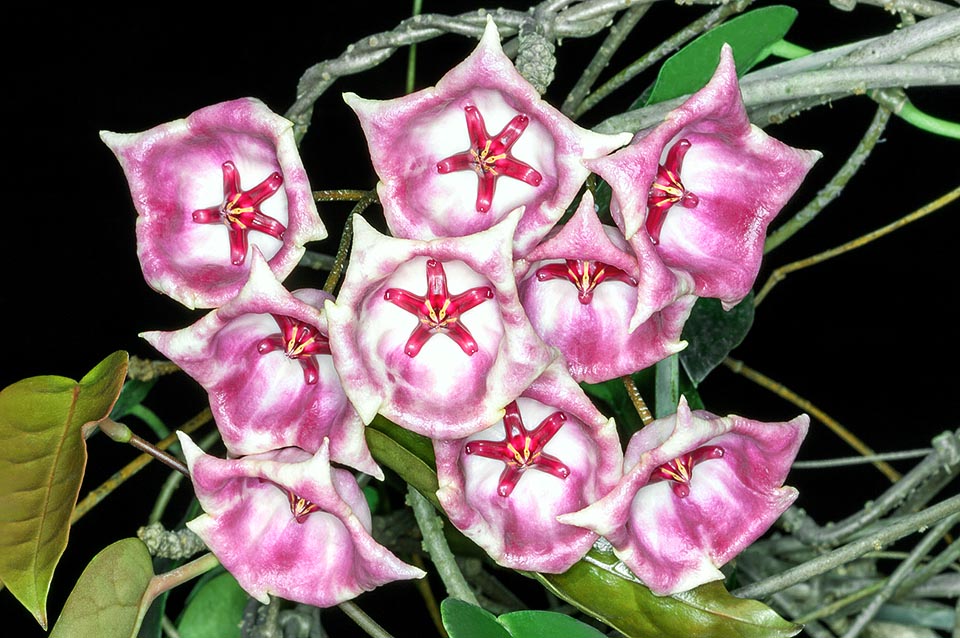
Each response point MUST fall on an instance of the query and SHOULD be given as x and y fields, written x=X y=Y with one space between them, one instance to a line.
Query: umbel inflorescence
x=472 y=323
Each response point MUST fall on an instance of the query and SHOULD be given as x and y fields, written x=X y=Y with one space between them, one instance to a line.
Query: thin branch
x=365 y=622
x=780 y=273
x=900 y=575
x=892 y=531
x=618 y=33
x=582 y=20
x=96 y=496
x=638 y=403
x=943 y=461
x=860 y=460
x=838 y=82
x=836 y=184
x=436 y=546
x=782 y=391
x=668 y=46
x=343 y=250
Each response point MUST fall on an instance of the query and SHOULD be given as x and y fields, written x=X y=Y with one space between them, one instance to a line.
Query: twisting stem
x=667 y=47
x=365 y=622
x=638 y=403
x=894 y=530
x=859 y=460
x=780 y=390
x=96 y=496
x=835 y=186
x=908 y=494
x=343 y=250
x=436 y=546
x=618 y=33
x=900 y=575
x=778 y=275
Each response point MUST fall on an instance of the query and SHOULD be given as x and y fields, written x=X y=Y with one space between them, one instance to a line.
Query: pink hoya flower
x=580 y=287
x=551 y=454
x=695 y=194
x=209 y=186
x=431 y=334
x=264 y=359
x=454 y=159
x=285 y=523
x=697 y=490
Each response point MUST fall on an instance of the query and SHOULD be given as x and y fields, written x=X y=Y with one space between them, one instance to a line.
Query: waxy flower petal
x=697 y=490
x=285 y=523
x=264 y=360
x=431 y=334
x=695 y=194
x=209 y=186
x=553 y=453
x=454 y=159
x=580 y=290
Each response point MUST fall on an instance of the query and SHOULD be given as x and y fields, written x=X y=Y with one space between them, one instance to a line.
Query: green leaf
x=750 y=35
x=546 y=624
x=133 y=393
x=711 y=334
x=463 y=620
x=215 y=609
x=108 y=599
x=406 y=453
x=43 y=423
x=599 y=586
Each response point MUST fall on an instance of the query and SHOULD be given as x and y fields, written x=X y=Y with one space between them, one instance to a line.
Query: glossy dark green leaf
x=598 y=586
x=546 y=624
x=712 y=333
x=43 y=422
x=108 y=599
x=463 y=620
x=406 y=453
x=152 y=624
x=214 y=609
x=750 y=35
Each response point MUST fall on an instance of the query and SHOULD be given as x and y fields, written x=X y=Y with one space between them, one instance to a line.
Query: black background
x=868 y=337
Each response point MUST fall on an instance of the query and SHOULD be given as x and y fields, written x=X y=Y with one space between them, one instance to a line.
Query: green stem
x=167 y=581
x=173 y=482
x=153 y=421
x=412 y=53
x=436 y=545
x=667 y=386
x=365 y=622
x=929 y=123
x=788 y=50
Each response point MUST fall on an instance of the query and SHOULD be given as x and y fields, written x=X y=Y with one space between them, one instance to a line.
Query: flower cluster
x=472 y=323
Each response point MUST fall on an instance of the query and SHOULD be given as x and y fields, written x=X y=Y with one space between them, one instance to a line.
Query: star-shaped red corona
x=240 y=211
x=522 y=449
x=438 y=311
x=490 y=157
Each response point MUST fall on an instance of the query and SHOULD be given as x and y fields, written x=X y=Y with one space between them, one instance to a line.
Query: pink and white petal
x=441 y=391
x=408 y=136
x=177 y=168
x=326 y=558
x=521 y=530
